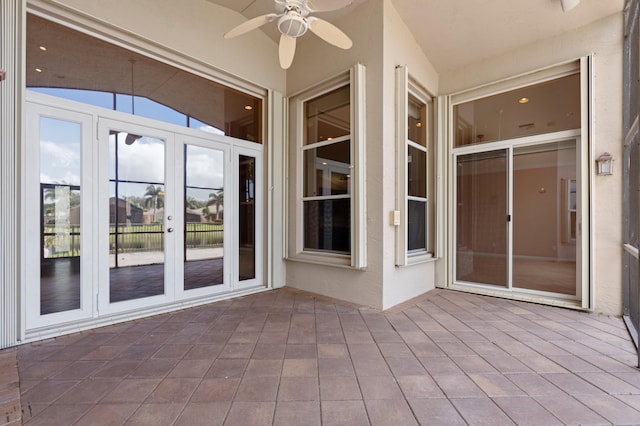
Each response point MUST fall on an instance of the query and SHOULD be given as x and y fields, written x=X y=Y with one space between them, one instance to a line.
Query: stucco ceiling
x=455 y=33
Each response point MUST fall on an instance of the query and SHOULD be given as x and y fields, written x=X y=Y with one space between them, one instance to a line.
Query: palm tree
x=154 y=197
x=217 y=199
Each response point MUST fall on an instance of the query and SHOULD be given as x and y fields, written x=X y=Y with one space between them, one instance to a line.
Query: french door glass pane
x=544 y=217
x=481 y=218
x=203 y=217
x=247 y=218
x=136 y=216
x=60 y=142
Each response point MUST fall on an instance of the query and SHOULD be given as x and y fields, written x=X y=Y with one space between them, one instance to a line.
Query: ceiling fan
x=294 y=21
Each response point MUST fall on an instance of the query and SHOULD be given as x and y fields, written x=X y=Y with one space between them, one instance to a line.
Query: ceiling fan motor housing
x=292 y=24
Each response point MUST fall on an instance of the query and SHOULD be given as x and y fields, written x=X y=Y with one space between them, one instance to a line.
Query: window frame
x=407 y=89
x=357 y=258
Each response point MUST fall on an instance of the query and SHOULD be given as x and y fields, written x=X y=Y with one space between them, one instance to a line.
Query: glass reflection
x=327 y=225
x=203 y=217
x=328 y=116
x=327 y=170
x=247 y=218
x=136 y=216
x=60 y=148
x=481 y=225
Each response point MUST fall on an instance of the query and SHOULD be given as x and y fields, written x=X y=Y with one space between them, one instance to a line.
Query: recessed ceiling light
x=418 y=124
x=44 y=49
x=523 y=100
x=248 y=107
x=38 y=70
x=329 y=138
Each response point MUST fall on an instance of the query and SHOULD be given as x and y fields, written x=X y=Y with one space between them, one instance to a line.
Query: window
x=329 y=208
x=415 y=172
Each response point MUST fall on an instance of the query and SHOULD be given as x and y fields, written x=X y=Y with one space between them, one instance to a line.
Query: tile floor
x=289 y=358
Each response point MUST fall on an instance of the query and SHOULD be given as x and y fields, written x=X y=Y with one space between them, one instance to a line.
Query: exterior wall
x=314 y=62
x=400 y=48
x=604 y=39
x=381 y=41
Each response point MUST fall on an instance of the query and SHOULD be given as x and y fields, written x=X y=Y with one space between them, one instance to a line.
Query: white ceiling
x=454 y=33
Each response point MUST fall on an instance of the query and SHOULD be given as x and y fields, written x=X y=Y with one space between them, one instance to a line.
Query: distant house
x=126 y=213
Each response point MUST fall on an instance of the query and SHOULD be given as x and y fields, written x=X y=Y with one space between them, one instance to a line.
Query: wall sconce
x=605 y=164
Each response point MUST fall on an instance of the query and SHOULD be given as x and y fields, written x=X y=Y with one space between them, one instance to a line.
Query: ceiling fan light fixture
x=567 y=5
x=292 y=24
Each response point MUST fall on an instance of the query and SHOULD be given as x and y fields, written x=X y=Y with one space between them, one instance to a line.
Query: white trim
x=276 y=189
x=402 y=99
x=355 y=80
x=586 y=192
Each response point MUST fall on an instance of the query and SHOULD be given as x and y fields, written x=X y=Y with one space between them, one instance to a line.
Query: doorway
x=147 y=216
x=518 y=217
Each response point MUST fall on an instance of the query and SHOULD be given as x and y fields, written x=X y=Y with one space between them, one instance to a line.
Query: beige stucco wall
x=195 y=31
x=604 y=39
x=381 y=41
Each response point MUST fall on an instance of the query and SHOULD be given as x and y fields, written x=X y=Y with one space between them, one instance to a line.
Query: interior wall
x=604 y=40
x=195 y=31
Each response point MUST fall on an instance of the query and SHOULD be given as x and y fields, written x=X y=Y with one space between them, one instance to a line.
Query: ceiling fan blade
x=327 y=5
x=286 y=50
x=329 y=33
x=251 y=24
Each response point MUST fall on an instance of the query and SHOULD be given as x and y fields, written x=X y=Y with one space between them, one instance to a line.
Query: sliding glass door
x=518 y=216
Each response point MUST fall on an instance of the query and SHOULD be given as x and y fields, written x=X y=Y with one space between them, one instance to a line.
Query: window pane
x=247 y=218
x=542 y=108
x=417 y=122
x=160 y=91
x=136 y=213
x=327 y=170
x=417 y=172
x=417 y=226
x=60 y=212
x=203 y=217
x=327 y=225
x=328 y=116
x=481 y=225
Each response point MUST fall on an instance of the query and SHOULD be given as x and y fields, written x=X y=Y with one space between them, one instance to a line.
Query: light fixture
x=38 y=70
x=605 y=164
x=523 y=100
x=418 y=124
x=248 y=107
x=44 y=49
x=567 y=5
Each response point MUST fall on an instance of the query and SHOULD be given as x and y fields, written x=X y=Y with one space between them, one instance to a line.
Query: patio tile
x=495 y=385
x=380 y=387
x=173 y=390
x=250 y=413
x=298 y=389
x=205 y=414
x=131 y=390
x=569 y=410
x=256 y=389
x=390 y=412
x=155 y=414
x=526 y=411
x=611 y=409
x=107 y=414
x=481 y=411
x=344 y=413
x=215 y=390
x=435 y=411
x=60 y=415
x=422 y=386
x=295 y=413
x=287 y=358
x=339 y=388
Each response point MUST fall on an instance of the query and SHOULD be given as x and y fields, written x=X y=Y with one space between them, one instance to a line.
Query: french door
x=519 y=216
x=145 y=217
